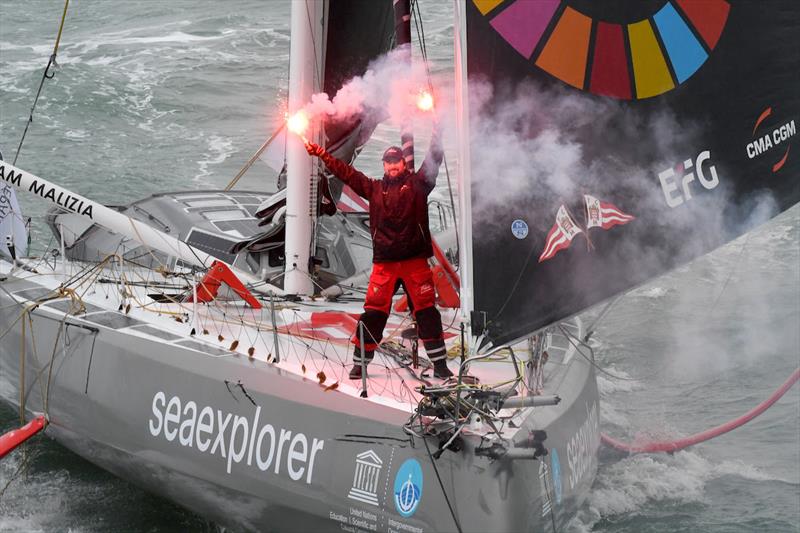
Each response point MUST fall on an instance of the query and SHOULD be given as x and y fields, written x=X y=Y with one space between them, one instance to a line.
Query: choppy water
x=155 y=96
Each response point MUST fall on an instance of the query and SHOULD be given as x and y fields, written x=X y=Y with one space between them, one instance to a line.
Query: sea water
x=159 y=96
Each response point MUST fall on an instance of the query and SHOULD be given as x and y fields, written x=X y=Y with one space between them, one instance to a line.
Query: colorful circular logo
x=556 y=468
x=630 y=61
x=519 y=229
x=408 y=488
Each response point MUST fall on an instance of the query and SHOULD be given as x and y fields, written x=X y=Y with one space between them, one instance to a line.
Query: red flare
x=298 y=124
x=425 y=100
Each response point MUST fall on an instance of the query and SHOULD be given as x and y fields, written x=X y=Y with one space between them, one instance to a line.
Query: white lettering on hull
x=582 y=446
x=234 y=437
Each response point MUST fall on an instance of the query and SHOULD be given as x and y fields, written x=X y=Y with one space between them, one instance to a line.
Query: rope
x=439 y=478
x=46 y=75
x=417 y=16
x=679 y=444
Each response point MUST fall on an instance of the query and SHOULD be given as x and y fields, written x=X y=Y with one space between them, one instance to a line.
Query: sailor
x=401 y=246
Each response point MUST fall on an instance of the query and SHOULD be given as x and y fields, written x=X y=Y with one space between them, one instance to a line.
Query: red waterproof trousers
x=415 y=275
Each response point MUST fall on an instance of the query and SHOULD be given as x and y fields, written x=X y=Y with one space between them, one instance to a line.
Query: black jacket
x=398 y=207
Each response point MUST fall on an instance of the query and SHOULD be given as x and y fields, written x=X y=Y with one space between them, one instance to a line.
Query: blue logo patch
x=556 y=468
x=519 y=229
x=408 y=488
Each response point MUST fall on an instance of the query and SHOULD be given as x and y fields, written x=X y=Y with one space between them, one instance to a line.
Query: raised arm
x=433 y=160
x=359 y=182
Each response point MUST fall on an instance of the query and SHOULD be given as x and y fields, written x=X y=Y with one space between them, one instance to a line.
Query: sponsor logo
x=366 y=477
x=8 y=175
x=235 y=438
x=766 y=140
x=519 y=229
x=599 y=214
x=544 y=473
x=55 y=194
x=556 y=466
x=679 y=190
x=673 y=41
x=5 y=201
x=582 y=445
x=408 y=488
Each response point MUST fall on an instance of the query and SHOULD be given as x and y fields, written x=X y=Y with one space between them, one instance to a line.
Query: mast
x=305 y=79
x=463 y=177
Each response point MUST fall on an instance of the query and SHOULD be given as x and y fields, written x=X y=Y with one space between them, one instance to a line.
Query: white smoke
x=538 y=148
x=386 y=91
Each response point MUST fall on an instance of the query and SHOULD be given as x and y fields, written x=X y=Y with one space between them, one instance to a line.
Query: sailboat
x=157 y=353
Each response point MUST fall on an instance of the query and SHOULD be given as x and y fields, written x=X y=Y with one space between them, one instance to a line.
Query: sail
x=13 y=230
x=613 y=141
x=357 y=32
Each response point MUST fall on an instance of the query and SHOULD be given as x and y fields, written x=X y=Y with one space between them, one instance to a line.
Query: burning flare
x=298 y=124
x=425 y=100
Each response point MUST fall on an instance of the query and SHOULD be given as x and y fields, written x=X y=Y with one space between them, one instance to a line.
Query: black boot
x=440 y=370
x=355 y=372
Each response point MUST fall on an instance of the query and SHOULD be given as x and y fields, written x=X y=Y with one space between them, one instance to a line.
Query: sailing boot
x=429 y=322
x=355 y=372
x=370 y=328
x=437 y=353
x=440 y=370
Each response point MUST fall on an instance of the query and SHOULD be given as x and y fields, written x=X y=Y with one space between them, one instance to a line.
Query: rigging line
x=318 y=74
x=46 y=75
x=519 y=278
x=730 y=274
x=424 y=52
x=27 y=458
x=46 y=402
x=441 y=484
x=420 y=35
x=602 y=315
x=255 y=157
x=572 y=338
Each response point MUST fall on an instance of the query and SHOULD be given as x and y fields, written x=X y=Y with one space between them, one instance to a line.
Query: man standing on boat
x=401 y=246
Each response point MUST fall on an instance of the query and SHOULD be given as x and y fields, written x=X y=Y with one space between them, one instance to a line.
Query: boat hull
x=250 y=445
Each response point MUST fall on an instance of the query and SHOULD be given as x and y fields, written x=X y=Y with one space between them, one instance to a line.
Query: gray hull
x=252 y=446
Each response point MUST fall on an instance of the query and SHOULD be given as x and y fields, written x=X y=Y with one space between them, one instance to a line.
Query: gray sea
x=152 y=96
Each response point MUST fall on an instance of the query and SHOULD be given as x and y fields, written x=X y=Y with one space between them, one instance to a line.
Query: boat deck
x=310 y=338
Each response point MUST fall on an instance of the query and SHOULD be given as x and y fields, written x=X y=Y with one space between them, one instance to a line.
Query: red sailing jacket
x=398 y=207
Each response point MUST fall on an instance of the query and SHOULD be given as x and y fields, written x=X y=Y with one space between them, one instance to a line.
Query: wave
x=219 y=149
x=629 y=485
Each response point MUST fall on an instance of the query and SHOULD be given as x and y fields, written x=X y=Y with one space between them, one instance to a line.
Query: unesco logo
x=408 y=488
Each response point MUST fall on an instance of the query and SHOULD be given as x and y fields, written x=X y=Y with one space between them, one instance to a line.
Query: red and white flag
x=603 y=215
x=350 y=202
x=561 y=234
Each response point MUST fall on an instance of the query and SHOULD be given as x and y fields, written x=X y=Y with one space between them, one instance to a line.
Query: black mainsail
x=645 y=134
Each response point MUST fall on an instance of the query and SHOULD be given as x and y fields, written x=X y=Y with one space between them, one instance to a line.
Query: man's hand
x=314 y=149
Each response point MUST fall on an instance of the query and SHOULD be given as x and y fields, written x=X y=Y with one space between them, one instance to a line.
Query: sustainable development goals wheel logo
x=631 y=60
